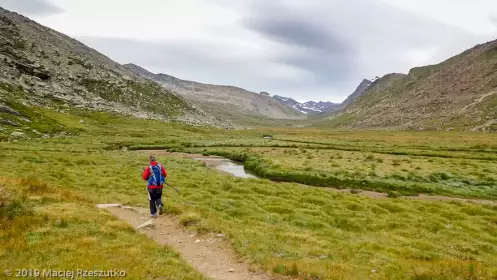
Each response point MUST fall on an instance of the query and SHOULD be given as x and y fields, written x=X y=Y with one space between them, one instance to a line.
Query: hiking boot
x=161 y=209
x=153 y=215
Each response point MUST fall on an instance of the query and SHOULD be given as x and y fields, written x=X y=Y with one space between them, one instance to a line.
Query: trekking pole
x=177 y=191
x=172 y=187
x=181 y=199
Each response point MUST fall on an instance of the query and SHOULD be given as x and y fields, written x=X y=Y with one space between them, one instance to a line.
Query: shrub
x=355 y=191
x=35 y=187
x=171 y=209
x=20 y=44
x=346 y=224
x=398 y=177
x=312 y=199
x=189 y=219
x=439 y=176
x=203 y=228
x=279 y=209
x=285 y=270
x=60 y=223
x=393 y=194
x=13 y=209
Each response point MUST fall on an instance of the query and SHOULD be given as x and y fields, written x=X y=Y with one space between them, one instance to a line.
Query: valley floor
x=49 y=189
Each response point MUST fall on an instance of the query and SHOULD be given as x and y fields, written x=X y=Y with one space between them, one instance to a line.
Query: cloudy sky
x=305 y=49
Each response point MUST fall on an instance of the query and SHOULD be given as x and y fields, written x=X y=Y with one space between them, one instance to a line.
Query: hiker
x=155 y=175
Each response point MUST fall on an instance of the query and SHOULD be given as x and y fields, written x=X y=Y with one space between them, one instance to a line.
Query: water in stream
x=227 y=165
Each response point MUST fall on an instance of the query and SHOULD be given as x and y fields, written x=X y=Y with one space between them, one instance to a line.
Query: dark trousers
x=154 y=195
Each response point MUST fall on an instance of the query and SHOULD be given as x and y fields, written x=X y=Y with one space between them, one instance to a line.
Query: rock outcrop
x=40 y=66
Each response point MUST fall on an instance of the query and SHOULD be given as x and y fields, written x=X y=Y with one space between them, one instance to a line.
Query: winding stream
x=236 y=169
x=226 y=165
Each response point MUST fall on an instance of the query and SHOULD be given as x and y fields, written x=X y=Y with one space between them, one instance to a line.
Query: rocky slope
x=459 y=93
x=40 y=66
x=228 y=102
x=363 y=86
x=309 y=107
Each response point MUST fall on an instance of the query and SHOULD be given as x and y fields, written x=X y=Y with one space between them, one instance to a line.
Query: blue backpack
x=156 y=177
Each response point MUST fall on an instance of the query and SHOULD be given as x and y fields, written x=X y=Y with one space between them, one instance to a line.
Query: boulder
x=17 y=134
x=9 y=122
x=8 y=110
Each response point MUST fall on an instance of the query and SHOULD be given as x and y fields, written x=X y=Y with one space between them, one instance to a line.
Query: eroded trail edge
x=210 y=254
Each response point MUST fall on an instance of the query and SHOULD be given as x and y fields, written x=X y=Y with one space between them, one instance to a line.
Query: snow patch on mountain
x=310 y=107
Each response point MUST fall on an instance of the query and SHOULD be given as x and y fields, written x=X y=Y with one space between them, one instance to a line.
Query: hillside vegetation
x=459 y=93
x=41 y=67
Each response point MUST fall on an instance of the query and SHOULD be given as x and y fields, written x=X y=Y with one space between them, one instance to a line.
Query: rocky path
x=210 y=254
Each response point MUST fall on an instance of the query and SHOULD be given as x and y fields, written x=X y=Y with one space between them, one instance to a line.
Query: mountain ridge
x=42 y=67
x=227 y=102
x=458 y=93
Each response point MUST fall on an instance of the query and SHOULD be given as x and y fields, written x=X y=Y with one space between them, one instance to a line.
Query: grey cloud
x=300 y=32
x=345 y=41
x=327 y=67
x=339 y=42
x=31 y=7
x=318 y=48
x=493 y=19
x=199 y=60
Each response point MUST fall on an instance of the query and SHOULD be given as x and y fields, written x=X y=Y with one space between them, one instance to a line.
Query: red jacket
x=147 y=173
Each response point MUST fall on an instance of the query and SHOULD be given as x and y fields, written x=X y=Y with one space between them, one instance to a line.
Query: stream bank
x=237 y=169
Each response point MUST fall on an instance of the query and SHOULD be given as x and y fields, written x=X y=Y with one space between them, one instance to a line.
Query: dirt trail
x=479 y=100
x=209 y=254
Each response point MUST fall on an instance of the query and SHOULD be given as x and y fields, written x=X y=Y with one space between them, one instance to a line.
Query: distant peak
x=309 y=107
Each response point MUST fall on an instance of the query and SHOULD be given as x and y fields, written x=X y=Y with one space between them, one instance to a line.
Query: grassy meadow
x=405 y=174
x=49 y=188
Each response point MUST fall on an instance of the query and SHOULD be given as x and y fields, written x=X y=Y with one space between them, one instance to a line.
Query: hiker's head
x=152 y=158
